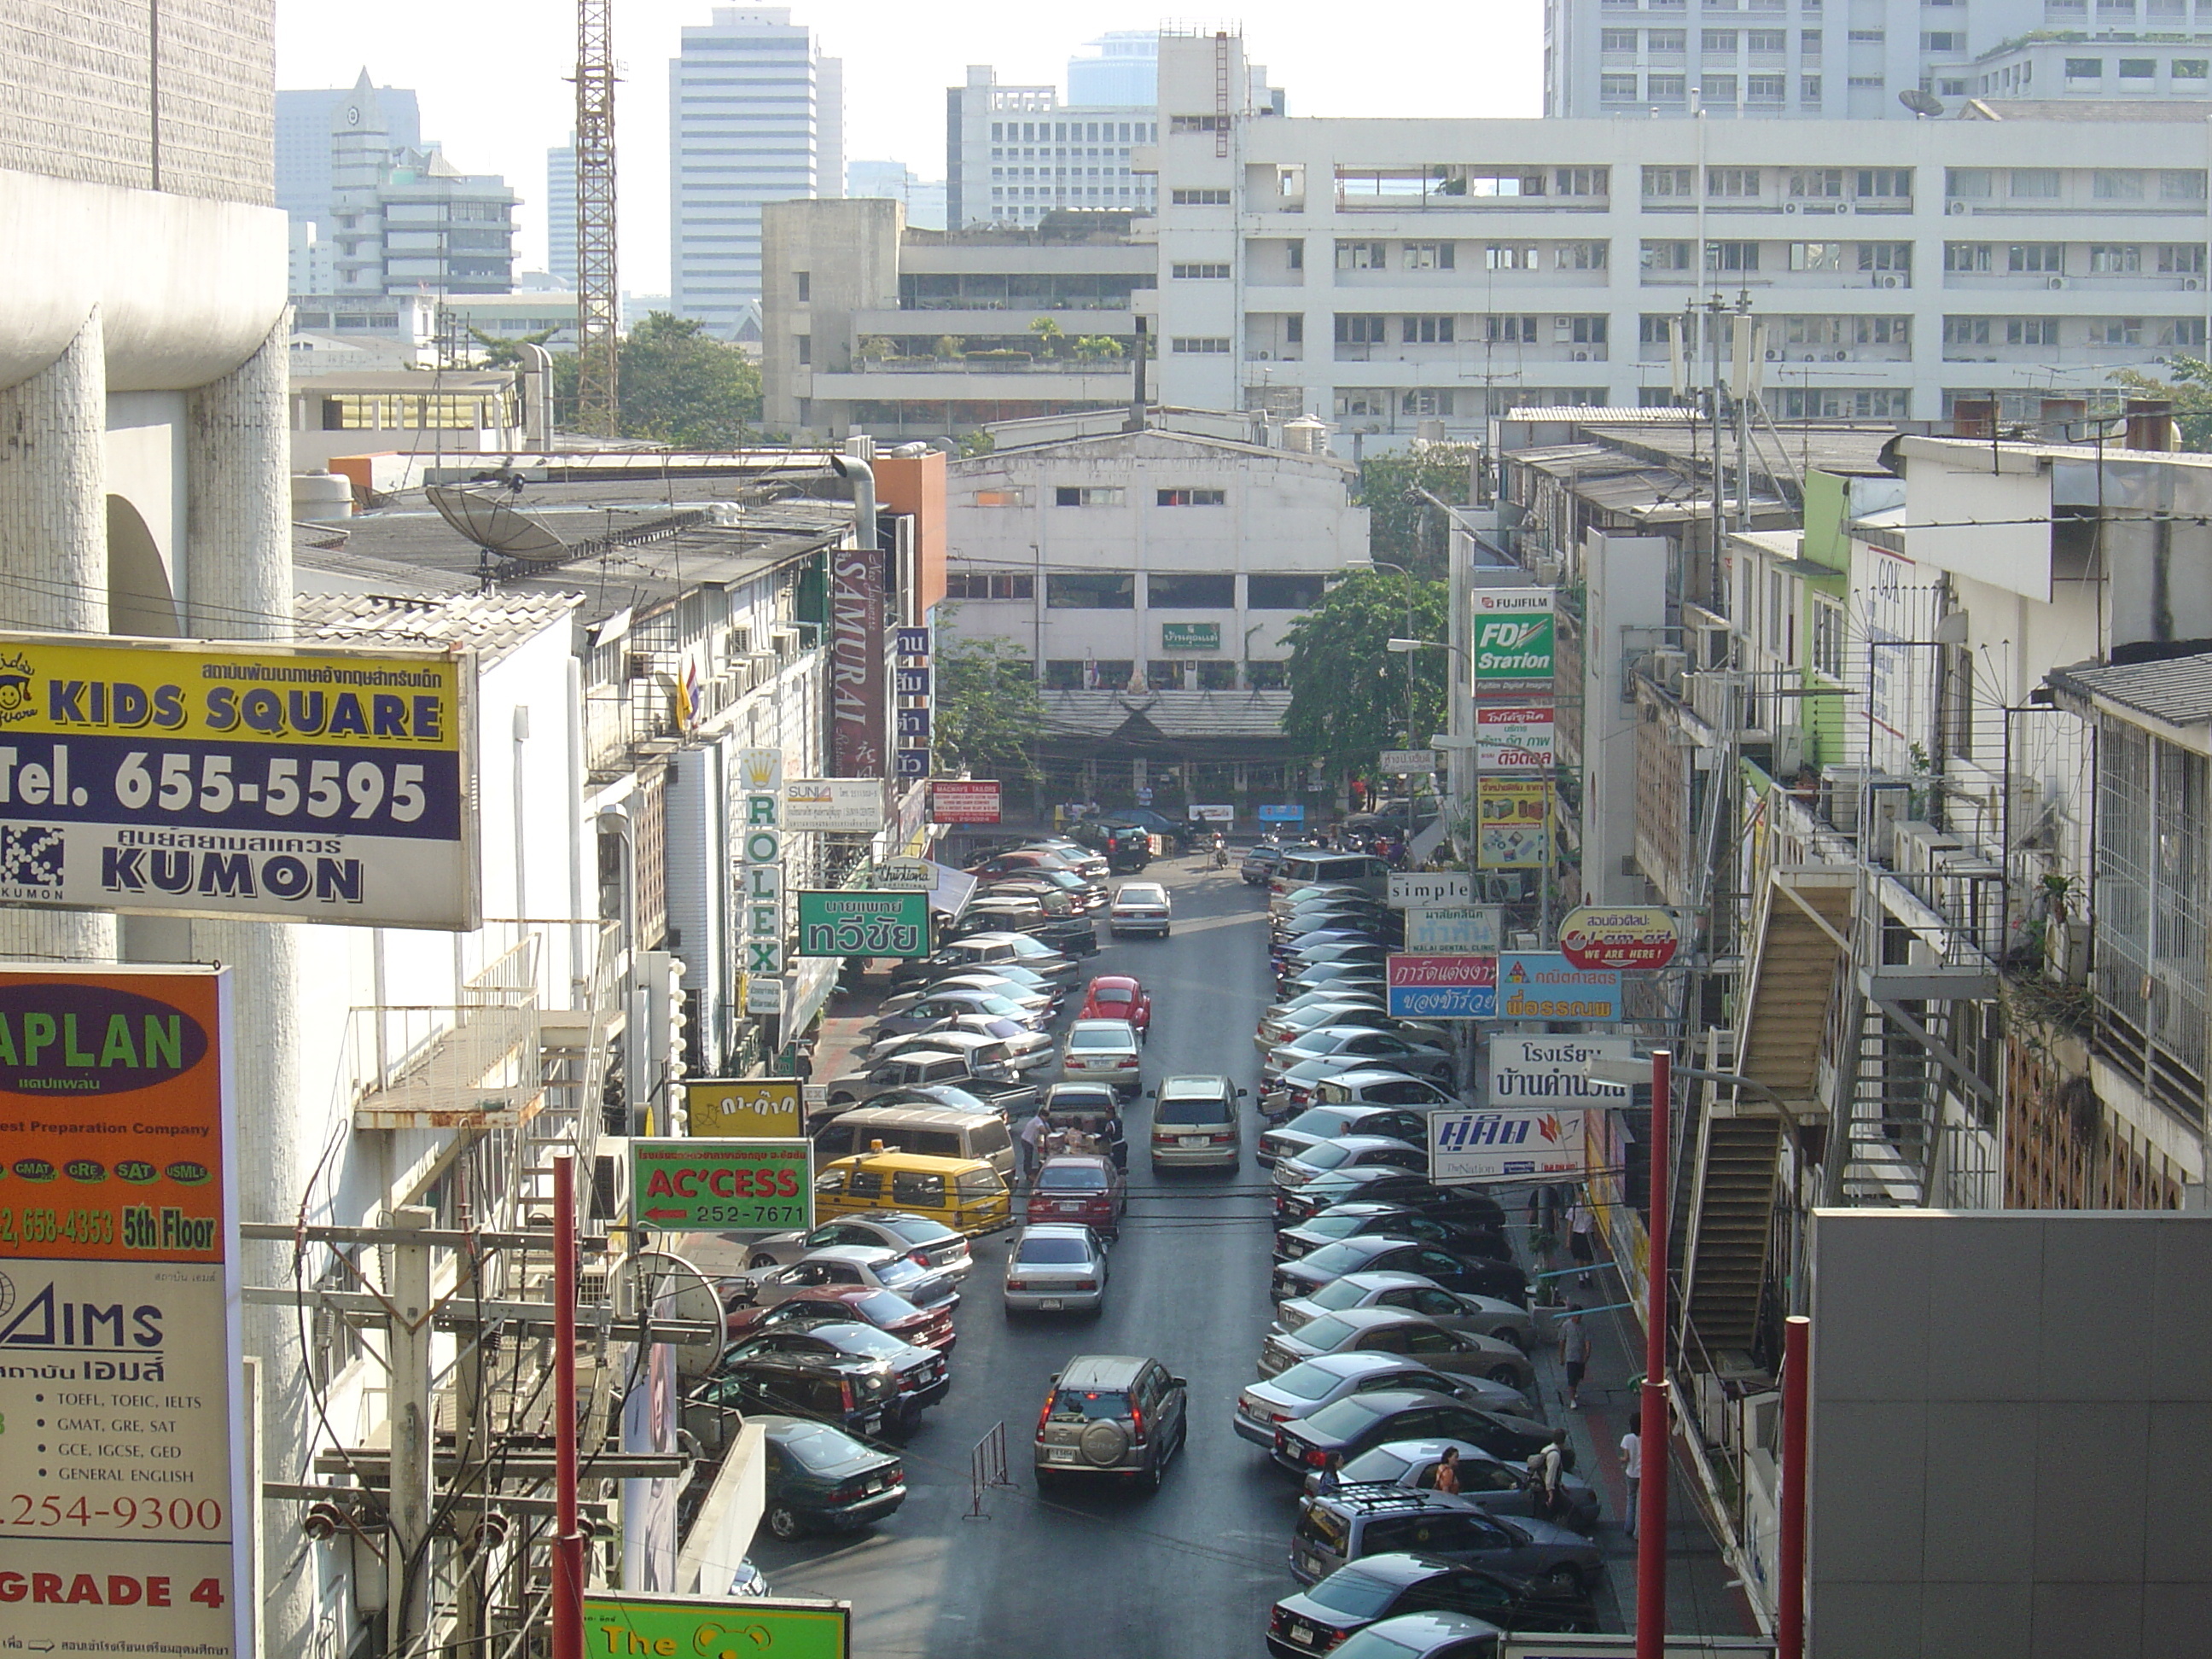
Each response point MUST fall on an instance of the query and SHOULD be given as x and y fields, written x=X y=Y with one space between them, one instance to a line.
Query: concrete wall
x=2011 y=1435
x=849 y=251
x=1626 y=588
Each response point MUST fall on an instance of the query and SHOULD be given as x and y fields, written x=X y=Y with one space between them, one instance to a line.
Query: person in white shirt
x=1631 y=1463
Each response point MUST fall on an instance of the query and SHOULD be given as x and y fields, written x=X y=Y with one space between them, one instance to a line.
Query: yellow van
x=965 y=1195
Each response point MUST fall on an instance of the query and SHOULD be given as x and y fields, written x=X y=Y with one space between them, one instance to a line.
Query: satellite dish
x=1920 y=103
x=495 y=527
x=667 y=1287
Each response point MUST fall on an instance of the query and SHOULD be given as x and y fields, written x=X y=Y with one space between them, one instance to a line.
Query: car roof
x=1090 y=1159
x=1140 y=890
x=1367 y=1143
x=1116 y=980
x=1386 y=1400
x=1434 y=1446
x=1388 y=1278
x=1054 y=1230
x=863 y=1255
x=1368 y=1318
x=1193 y=1085
x=1083 y=1091
x=1366 y=1207
x=1360 y=1362
x=1428 y=1629
x=1371 y=1074
x=1396 y=1567
x=1096 y=1024
x=916 y=1163
x=1102 y=1371
x=914 y=1056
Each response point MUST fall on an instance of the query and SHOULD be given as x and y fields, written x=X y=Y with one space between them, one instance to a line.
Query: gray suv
x=1112 y=1414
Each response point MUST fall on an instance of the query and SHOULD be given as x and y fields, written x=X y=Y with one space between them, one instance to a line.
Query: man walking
x=1029 y=1142
x=1582 y=1229
x=1631 y=1463
x=1574 y=1353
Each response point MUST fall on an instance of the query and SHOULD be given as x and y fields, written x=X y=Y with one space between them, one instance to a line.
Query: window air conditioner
x=1581 y=357
x=2192 y=283
x=1842 y=357
x=2055 y=282
x=1790 y=207
x=1843 y=206
x=1887 y=282
x=1955 y=207
x=1772 y=356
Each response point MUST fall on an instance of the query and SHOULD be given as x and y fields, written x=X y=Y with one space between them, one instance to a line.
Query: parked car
x=1438 y=1635
x=969 y=1196
x=1318 y=868
x=1368 y=952
x=1498 y=1486
x=1392 y=1048
x=923 y=1375
x=1126 y=847
x=1319 y=1123
x=917 y=1011
x=1139 y=907
x=1275 y=1029
x=1336 y=1528
x=930 y=1244
x=1451 y=1271
x=1117 y=996
x=1173 y=836
x=1081 y=892
x=856 y=1265
x=1392 y=1330
x=1052 y=1267
x=827 y=1304
x=858 y=1393
x=1027 y=1050
x=1264 y=1405
x=1350 y=1426
x=1348 y=1152
x=1082 y=1190
x=1017 y=984
x=820 y=1478
x=1085 y=860
x=1195 y=1122
x=985 y=949
x=1111 y=1414
x=1391 y=1221
x=1383 y=1086
x=1091 y=1109
x=920 y=1067
x=1325 y=997
x=1102 y=1049
x=1024 y=859
x=1259 y=863
x=1377 y=1590
x=1386 y=1185
x=1455 y=1310
x=987 y=1055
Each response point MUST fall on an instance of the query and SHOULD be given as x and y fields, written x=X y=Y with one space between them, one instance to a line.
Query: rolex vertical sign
x=1512 y=636
x=760 y=874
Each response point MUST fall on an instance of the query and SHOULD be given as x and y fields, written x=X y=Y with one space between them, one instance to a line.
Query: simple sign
x=714 y=1186
x=1504 y=1146
x=760 y=871
x=1190 y=636
x=750 y=1108
x=1213 y=814
x=1518 y=738
x=1528 y=1069
x=1618 y=936
x=275 y=782
x=1431 y=889
x=1409 y=760
x=851 y=807
x=626 y=1625
x=1440 y=986
x=1513 y=635
x=1512 y=820
x=964 y=801
x=846 y=923
x=120 y=1343
x=919 y=875
x=1468 y=929
x=1545 y=985
x=1274 y=814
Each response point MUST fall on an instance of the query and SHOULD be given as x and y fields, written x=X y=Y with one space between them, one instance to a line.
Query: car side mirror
x=1242 y=1093
x=1178 y=1383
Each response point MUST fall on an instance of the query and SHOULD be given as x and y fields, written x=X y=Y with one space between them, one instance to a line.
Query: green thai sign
x=635 y=1625
x=863 y=924
x=1513 y=635
x=1190 y=636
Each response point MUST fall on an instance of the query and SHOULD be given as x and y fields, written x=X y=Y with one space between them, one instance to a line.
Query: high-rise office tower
x=755 y=115
x=303 y=141
x=560 y=212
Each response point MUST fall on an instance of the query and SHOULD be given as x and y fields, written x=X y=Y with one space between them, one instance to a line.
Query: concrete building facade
x=755 y=115
x=1014 y=154
x=303 y=142
x=560 y=212
x=1121 y=67
x=922 y=198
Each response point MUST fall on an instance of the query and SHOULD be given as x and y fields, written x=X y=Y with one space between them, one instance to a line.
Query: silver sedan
x=1054 y=1267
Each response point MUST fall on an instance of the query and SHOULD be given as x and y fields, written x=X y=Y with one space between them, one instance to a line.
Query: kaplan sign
x=857 y=690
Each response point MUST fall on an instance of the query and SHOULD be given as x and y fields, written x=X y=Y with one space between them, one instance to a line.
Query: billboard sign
x=850 y=806
x=1510 y=1144
x=1518 y=738
x=1467 y=929
x=1513 y=635
x=1428 y=889
x=846 y=923
x=744 y=1109
x=625 y=1623
x=760 y=869
x=1512 y=822
x=1276 y=813
x=119 y=1333
x=273 y=782
x=1636 y=936
x=687 y=1185
x=1190 y=636
x=1525 y=1070
x=858 y=700
x=918 y=875
x=1440 y=986
x=1545 y=985
x=1213 y=814
x=964 y=801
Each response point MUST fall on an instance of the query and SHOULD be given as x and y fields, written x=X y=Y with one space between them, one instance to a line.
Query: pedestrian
x=1330 y=1479
x=1535 y=1209
x=1031 y=1143
x=1632 y=1464
x=1582 y=1229
x=1574 y=1353
x=1545 y=1465
x=1445 y=1476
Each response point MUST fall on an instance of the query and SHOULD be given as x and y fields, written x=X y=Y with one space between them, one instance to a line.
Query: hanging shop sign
x=1636 y=936
x=1405 y=762
x=625 y=1625
x=1213 y=813
x=919 y=875
x=760 y=874
x=857 y=698
x=120 y=1345
x=1190 y=636
x=848 y=807
x=273 y=782
x=1275 y=812
x=1552 y=1069
x=1467 y=929
x=964 y=801
x=850 y=923
x=914 y=715
x=1513 y=635
x=693 y=1186
x=1512 y=822
x=1419 y=987
x=1427 y=889
x=1545 y=985
x=1511 y=1144
x=1518 y=738
x=746 y=1109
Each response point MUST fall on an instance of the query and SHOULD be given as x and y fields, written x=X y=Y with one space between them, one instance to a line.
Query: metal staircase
x=1727 y=1265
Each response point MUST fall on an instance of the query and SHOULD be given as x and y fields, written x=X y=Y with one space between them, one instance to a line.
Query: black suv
x=1298 y=1205
x=794 y=1373
x=1378 y=1586
x=1357 y=1421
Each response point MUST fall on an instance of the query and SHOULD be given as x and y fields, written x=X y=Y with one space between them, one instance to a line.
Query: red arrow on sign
x=666 y=1215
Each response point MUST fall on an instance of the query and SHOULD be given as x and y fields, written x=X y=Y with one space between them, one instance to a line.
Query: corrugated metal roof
x=2177 y=690
x=491 y=624
x=1609 y=414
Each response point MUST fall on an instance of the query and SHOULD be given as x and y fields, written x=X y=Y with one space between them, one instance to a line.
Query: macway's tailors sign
x=964 y=801
x=1513 y=740
x=120 y=1497
x=1545 y=985
x=1504 y=1146
x=274 y=782
x=1440 y=986
x=1513 y=635
x=693 y=1186
x=1628 y=936
x=1532 y=1070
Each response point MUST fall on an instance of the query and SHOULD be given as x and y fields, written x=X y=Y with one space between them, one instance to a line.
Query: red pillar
x=1790 y=1613
x=568 y=1539
x=1654 y=1430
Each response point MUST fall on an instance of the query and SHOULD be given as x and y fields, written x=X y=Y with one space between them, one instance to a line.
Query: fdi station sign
x=123 y=1496
x=1636 y=936
x=856 y=923
x=1504 y=1145
x=744 y=1108
x=1514 y=636
x=1419 y=987
x=704 y=1186
x=271 y=782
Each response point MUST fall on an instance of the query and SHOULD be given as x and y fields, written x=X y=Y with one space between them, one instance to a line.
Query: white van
x=922 y=1131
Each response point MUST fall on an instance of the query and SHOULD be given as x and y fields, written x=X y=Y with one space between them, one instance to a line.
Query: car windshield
x=916 y=1229
x=1096 y=1098
x=1080 y=1038
x=898 y=1272
x=864 y=1339
x=1352 y=1594
x=821 y=1447
x=1142 y=896
x=1333 y=1259
x=1341 y=1420
x=1319 y=1122
x=1090 y=1402
x=1110 y=993
x=1341 y=1294
x=1333 y=1226
x=1190 y=1109
x=1324 y=1335
x=1072 y=1178
x=884 y=1308
x=1306 y=1382
x=1046 y=1251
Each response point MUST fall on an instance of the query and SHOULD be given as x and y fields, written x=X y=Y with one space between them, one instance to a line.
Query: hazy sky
x=492 y=77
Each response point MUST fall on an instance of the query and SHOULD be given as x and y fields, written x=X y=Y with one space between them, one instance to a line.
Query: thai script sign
x=1504 y=1146
x=1552 y=1068
x=1190 y=636
x=851 y=807
x=1545 y=985
x=1512 y=821
x=1471 y=929
x=1612 y=936
x=846 y=923
x=748 y=1109
x=688 y=1186
x=1514 y=739
x=1440 y=986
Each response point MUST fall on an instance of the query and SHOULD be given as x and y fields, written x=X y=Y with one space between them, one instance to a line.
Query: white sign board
x=851 y=807
x=918 y=875
x=1471 y=929
x=1431 y=890
x=1213 y=814
x=1528 y=1071
x=1409 y=760
x=1517 y=1145
x=1517 y=739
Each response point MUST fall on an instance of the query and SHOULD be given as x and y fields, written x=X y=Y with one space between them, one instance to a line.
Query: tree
x=1348 y=688
x=680 y=386
x=2189 y=391
x=1097 y=348
x=987 y=715
x=1401 y=527
x=1049 y=335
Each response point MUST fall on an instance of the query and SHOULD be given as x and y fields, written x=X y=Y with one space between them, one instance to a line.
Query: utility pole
x=407 y=1560
x=598 y=291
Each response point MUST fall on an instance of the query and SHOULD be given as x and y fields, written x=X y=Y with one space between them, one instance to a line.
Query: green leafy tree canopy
x=987 y=715
x=1402 y=527
x=1348 y=688
x=2191 y=391
x=680 y=386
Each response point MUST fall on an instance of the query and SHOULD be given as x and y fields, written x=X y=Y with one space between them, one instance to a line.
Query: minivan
x=965 y=1195
x=1194 y=1122
x=1317 y=869
x=923 y=1131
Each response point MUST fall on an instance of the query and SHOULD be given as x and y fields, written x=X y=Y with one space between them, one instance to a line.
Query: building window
x=1815 y=184
x=1087 y=496
x=1717 y=89
x=1510 y=330
x=1666 y=88
x=1582 y=181
x=1967 y=256
x=1886 y=257
x=1666 y=256
x=1732 y=255
x=2188 y=69
x=1969 y=183
x=1965 y=330
x=1426 y=401
x=1354 y=329
x=2138 y=68
x=975 y=585
x=2116 y=331
x=1426 y=331
x=1616 y=40
x=2085 y=68
x=1816 y=256
x=1942 y=41
x=1064 y=674
x=2031 y=330
x=1721 y=41
x=1200 y=198
x=1731 y=181
x=1581 y=256
x=2183 y=331
x=1197 y=124
x=2116 y=184
x=1363 y=256
x=1509 y=256
x=2047 y=258
x=2034 y=183
x=1662 y=41
x=1284 y=592
x=1808 y=89
x=1584 y=331
x=1191 y=498
x=1361 y=400
x=1184 y=592
x=1808 y=43
x=1090 y=590
x=1670 y=181
x=2114 y=259
x=1657 y=329
x=1767 y=89
x=1429 y=256
x=1829 y=633
x=806 y=281
x=1003 y=497
x=2181 y=259
x=1200 y=345
x=1267 y=676
x=1766 y=40
x=1617 y=88
x=1199 y=273
x=1885 y=184
x=2181 y=185
x=805 y=345
x=1882 y=330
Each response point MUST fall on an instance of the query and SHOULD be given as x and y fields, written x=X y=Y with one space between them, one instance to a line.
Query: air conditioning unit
x=1886 y=282
x=1790 y=206
x=1955 y=207
x=2055 y=282
x=1581 y=357
x=1850 y=796
x=1772 y=356
x=2192 y=283
x=1667 y=669
x=1263 y=357
x=1843 y=206
x=1841 y=357
x=1917 y=844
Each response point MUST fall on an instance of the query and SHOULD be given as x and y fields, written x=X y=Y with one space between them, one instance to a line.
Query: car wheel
x=1155 y=1471
x=1507 y=1375
x=1564 y=1581
x=1047 y=1482
x=783 y=1522
x=762 y=1260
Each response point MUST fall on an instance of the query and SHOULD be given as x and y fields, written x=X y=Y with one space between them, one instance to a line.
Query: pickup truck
x=920 y=1068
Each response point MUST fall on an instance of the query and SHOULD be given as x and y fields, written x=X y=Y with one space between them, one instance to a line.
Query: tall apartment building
x=560 y=212
x=1380 y=273
x=755 y=115
x=303 y=142
x=2111 y=66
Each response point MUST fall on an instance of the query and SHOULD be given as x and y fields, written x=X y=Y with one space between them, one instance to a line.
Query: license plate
x=1059 y=1454
x=1049 y=1303
x=871 y=1423
x=1302 y=1635
x=1190 y=1140
x=1311 y=1563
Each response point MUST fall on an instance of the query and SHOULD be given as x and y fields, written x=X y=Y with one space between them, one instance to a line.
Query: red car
x=824 y=1304
x=1116 y=996
x=1080 y=1186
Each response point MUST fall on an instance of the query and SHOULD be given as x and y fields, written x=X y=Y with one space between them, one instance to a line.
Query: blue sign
x=912 y=722
x=910 y=681
x=1282 y=815
x=911 y=763
x=913 y=641
x=1443 y=1002
x=1545 y=985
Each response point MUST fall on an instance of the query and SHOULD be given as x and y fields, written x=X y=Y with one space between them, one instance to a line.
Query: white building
x=405 y=220
x=1013 y=154
x=1474 y=265
x=755 y=115
x=560 y=212
x=2108 y=66
x=1120 y=67
x=303 y=142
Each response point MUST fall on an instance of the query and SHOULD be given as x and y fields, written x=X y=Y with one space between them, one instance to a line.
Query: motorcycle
x=1220 y=853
